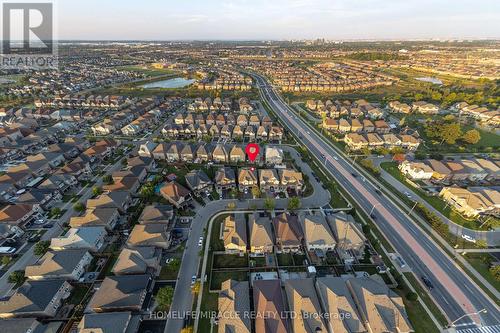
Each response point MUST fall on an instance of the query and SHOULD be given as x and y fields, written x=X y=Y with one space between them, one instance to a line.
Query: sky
x=276 y=19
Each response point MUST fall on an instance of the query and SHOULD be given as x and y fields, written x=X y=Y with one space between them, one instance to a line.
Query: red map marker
x=252 y=150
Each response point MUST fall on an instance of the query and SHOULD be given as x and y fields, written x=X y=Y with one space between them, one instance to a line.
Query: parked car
x=468 y=238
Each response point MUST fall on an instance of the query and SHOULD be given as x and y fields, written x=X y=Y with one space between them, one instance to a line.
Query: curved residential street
x=183 y=299
x=454 y=290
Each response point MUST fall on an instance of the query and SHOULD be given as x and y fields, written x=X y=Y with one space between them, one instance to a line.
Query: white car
x=335 y=158
x=193 y=279
x=468 y=238
x=169 y=260
x=200 y=241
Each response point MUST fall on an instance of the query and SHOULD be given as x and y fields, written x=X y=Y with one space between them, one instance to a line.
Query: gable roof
x=121 y=291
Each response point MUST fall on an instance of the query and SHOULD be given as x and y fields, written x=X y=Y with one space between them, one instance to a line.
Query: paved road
x=183 y=299
x=491 y=237
x=454 y=291
x=29 y=258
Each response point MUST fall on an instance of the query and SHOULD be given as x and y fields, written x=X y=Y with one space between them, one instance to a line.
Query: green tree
x=5 y=260
x=175 y=264
x=79 y=207
x=411 y=296
x=147 y=191
x=256 y=192
x=450 y=133
x=96 y=190
x=165 y=296
x=294 y=203
x=17 y=277
x=472 y=136
x=107 y=179
x=41 y=248
x=55 y=211
x=269 y=204
x=481 y=243
x=495 y=271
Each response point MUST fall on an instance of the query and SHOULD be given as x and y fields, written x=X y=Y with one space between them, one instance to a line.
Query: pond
x=178 y=82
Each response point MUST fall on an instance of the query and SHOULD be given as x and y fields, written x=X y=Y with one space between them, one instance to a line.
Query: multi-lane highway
x=453 y=290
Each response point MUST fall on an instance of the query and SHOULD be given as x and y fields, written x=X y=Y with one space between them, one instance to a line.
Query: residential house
x=291 y=180
x=472 y=201
x=120 y=293
x=141 y=260
x=260 y=235
x=317 y=233
x=268 y=180
x=91 y=238
x=246 y=179
x=64 y=265
x=234 y=234
x=348 y=235
x=116 y=199
x=269 y=307
x=219 y=154
x=234 y=302
x=104 y=217
x=225 y=180
x=440 y=171
x=198 y=182
x=236 y=154
x=19 y=215
x=146 y=149
x=151 y=234
x=157 y=213
x=120 y=322
x=176 y=194
x=339 y=304
x=380 y=309
x=273 y=155
x=288 y=233
x=39 y=299
x=416 y=170
x=304 y=303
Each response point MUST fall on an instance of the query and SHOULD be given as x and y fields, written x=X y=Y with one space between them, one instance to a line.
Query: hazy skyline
x=278 y=19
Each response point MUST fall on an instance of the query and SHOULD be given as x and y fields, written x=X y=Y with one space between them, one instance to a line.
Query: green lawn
x=218 y=277
x=230 y=261
x=481 y=263
x=109 y=265
x=417 y=311
x=78 y=294
x=216 y=244
x=434 y=201
x=168 y=273
x=285 y=259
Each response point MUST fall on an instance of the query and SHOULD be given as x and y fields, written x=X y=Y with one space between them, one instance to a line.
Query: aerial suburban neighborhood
x=196 y=182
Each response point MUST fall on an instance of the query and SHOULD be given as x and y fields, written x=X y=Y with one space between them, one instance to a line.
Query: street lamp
x=375 y=205
x=452 y=324
x=412 y=208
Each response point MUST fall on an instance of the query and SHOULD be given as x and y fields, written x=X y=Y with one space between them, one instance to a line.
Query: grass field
x=480 y=262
